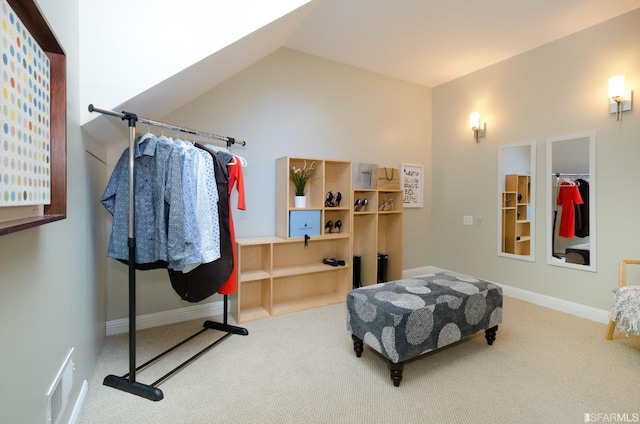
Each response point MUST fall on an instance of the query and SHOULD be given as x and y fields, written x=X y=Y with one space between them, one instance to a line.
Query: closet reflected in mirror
x=516 y=201
x=570 y=188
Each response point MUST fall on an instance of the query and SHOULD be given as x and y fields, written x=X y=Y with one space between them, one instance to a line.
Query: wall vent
x=58 y=395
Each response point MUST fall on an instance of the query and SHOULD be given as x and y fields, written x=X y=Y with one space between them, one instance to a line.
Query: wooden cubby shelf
x=279 y=275
x=378 y=229
x=291 y=278
x=516 y=227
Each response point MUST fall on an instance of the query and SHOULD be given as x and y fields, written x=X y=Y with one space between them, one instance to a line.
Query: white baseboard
x=561 y=305
x=217 y=308
x=173 y=316
x=79 y=405
x=416 y=272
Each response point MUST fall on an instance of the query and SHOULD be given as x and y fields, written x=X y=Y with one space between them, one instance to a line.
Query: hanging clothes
x=208 y=278
x=582 y=225
x=182 y=213
x=568 y=197
x=176 y=201
x=158 y=208
x=236 y=179
x=200 y=201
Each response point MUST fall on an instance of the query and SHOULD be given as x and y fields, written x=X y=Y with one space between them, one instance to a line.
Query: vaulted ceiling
x=426 y=42
x=431 y=42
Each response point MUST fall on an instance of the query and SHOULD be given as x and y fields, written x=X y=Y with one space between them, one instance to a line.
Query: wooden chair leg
x=610 y=329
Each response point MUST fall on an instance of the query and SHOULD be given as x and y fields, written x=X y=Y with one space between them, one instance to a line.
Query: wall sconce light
x=619 y=96
x=474 y=124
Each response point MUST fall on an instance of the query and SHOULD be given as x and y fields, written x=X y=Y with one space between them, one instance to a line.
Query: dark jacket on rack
x=582 y=210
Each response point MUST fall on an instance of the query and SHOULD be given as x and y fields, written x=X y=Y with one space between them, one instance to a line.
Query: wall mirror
x=571 y=194
x=516 y=200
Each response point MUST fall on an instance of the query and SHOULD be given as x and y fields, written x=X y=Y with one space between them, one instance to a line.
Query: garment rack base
x=149 y=391
x=133 y=387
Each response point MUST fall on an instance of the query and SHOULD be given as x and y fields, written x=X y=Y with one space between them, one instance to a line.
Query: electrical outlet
x=479 y=221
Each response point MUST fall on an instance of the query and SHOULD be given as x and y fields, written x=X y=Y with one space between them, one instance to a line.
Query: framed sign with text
x=412 y=185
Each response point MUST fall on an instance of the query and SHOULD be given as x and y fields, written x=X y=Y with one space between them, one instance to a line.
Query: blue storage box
x=304 y=222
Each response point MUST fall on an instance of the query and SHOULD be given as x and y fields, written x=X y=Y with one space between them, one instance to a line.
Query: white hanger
x=148 y=135
x=242 y=160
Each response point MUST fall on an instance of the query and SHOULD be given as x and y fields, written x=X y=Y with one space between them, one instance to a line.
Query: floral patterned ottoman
x=405 y=318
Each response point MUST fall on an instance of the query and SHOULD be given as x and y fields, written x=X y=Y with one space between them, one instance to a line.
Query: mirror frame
x=531 y=257
x=550 y=203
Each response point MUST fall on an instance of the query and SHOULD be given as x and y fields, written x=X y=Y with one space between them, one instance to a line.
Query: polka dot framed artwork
x=25 y=103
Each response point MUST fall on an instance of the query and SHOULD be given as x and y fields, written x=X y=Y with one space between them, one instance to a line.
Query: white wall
x=295 y=104
x=130 y=46
x=52 y=279
x=554 y=90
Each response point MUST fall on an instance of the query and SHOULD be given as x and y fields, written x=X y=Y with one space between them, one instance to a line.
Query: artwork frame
x=21 y=218
x=412 y=185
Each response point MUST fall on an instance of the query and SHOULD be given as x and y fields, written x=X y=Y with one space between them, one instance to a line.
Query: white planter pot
x=300 y=201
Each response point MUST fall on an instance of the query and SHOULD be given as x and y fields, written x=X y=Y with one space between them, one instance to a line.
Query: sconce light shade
x=619 y=96
x=474 y=124
x=616 y=86
x=474 y=120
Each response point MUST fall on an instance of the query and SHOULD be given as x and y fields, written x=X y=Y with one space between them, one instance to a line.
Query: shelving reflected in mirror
x=516 y=201
x=571 y=204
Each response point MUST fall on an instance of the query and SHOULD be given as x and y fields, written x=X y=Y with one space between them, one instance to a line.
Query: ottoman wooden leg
x=396 y=372
x=490 y=334
x=357 y=345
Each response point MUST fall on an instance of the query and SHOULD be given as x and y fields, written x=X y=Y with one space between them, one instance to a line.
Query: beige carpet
x=544 y=367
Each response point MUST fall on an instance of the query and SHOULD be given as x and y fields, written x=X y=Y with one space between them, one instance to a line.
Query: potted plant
x=300 y=178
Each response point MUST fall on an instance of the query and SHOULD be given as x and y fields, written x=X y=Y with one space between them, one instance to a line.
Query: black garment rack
x=128 y=381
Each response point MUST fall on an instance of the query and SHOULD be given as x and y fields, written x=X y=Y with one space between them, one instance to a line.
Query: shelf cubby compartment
x=523 y=212
x=304 y=259
x=371 y=196
x=337 y=178
x=390 y=242
x=523 y=247
x=334 y=215
x=509 y=199
x=365 y=245
x=254 y=257
x=511 y=183
x=508 y=230
x=254 y=300
x=295 y=293
x=523 y=229
x=389 y=201
x=524 y=188
x=315 y=189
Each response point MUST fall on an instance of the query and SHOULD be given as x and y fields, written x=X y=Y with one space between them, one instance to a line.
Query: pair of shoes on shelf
x=332 y=201
x=360 y=205
x=386 y=205
x=330 y=225
x=333 y=261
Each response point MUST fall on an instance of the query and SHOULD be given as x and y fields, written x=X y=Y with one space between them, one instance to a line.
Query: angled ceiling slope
x=431 y=42
x=192 y=82
x=426 y=42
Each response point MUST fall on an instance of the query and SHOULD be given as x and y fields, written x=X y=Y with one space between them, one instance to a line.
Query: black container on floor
x=357 y=279
x=383 y=258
